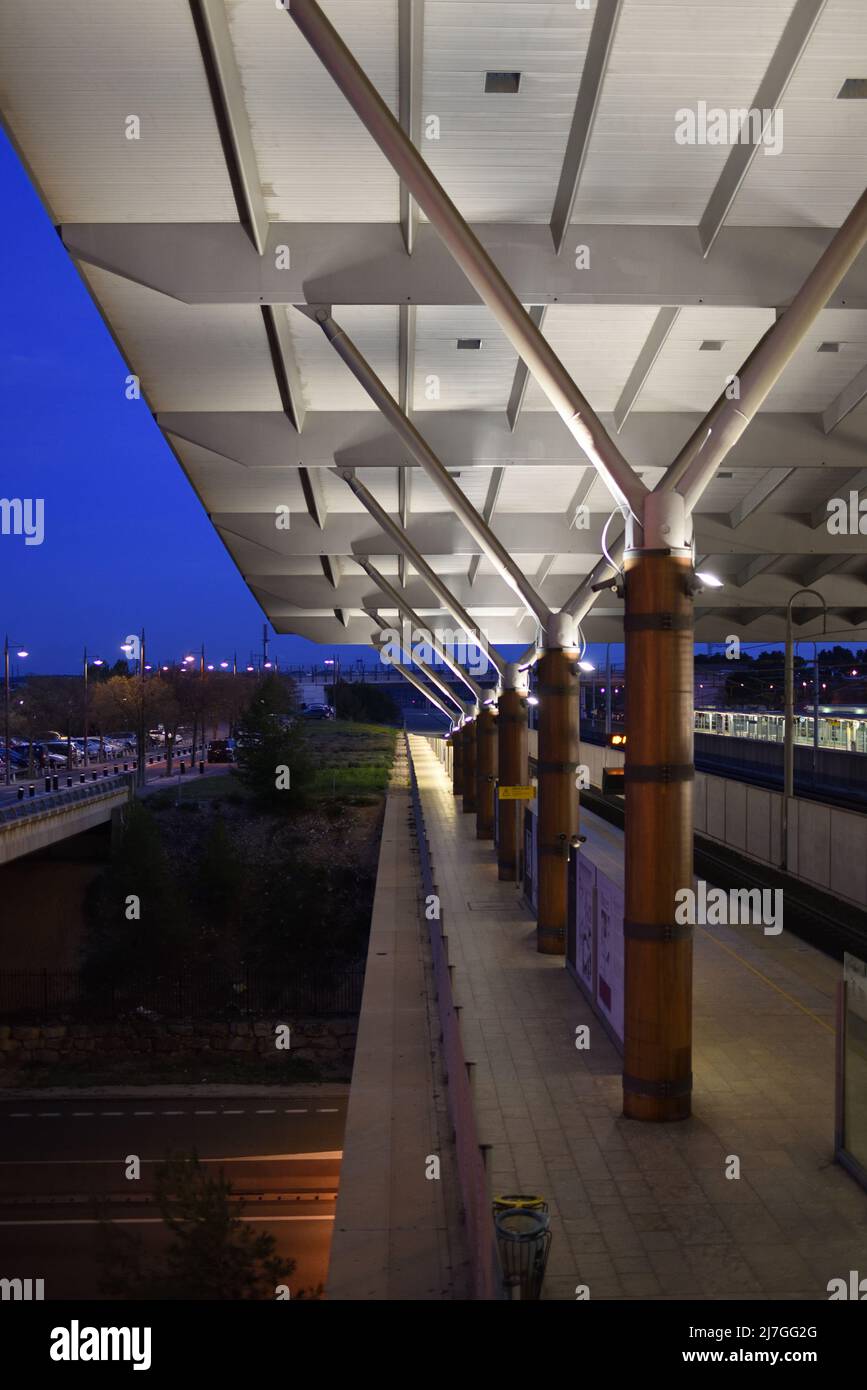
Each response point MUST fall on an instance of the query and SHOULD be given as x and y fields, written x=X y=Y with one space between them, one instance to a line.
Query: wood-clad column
x=512 y=762
x=469 y=742
x=558 y=794
x=657 y=1059
x=458 y=762
x=486 y=772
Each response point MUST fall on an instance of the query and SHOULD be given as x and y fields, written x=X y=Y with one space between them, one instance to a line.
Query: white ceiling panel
x=189 y=357
x=292 y=104
x=598 y=345
x=499 y=156
x=539 y=489
x=813 y=379
x=71 y=74
x=685 y=377
x=670 y=54
x=465 y=379
x=821 y=169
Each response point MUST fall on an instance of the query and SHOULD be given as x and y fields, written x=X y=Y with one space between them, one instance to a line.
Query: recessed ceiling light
x=828 y=347
x=469 y=344
x=506 y=83
x=853 y=89
x=711 y=345
x=725 y=475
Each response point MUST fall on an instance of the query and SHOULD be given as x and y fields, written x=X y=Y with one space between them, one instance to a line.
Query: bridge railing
x=478 y=1207
x=31 y=808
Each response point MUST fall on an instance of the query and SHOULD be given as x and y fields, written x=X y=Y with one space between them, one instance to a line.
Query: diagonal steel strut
x=491 y=286
x=424 y=455
x=429 y=575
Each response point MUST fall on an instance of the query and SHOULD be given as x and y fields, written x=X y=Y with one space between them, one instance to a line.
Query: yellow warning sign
x=517 y=793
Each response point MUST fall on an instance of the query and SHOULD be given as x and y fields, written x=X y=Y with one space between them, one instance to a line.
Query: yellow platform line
x=792 y=1000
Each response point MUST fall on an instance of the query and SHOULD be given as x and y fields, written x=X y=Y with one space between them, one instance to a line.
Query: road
x=282 y=1155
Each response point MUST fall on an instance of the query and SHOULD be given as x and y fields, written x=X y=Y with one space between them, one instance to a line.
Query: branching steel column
x=512 y=770
x=469 y=738
x=477 y=265
x=486 y=771
x=421 y=451
x=558 y=793
x=657 y=1025
x=458 y=762
x=430 y=577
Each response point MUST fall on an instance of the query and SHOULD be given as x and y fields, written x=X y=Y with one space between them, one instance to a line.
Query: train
x=841 y=728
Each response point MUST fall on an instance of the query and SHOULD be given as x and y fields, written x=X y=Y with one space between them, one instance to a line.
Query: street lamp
x=97 y=661
x=6 y=750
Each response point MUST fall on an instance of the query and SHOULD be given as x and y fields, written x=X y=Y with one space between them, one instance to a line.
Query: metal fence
x=189 y=994
x=484 y=1255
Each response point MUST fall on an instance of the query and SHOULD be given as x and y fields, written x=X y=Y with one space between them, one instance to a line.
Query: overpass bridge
x=33 y=824
x=615 y=391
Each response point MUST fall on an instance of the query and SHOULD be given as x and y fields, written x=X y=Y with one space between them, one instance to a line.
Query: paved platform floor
x=639 y=1210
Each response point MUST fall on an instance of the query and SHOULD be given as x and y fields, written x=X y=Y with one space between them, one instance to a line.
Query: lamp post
x=8 y=688
x=789 y=750
x=97 y=661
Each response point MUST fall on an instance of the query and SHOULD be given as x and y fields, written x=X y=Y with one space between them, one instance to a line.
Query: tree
x=365 y=704
x=271 y=739
x=213 y=1254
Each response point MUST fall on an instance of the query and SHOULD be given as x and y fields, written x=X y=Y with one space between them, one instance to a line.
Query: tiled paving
x=639 y=1210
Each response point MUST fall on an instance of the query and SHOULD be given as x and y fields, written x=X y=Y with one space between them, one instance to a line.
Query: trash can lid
x=511 y=1200
x=521 y=1224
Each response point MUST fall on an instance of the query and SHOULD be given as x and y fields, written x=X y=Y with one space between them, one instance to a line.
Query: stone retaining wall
x=328 y=1043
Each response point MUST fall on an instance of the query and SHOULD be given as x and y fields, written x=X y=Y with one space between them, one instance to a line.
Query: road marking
x=332 y=1111
x=112 y=1114
x=21 y=1115
x=157 y=1220
x=294 y=1112
x=142 y=1112
x=266 y=1112
x=330 y=1155
x=48 y=1115
x=204 y=1112
x=174 y=1112
x=233 y=1112
x=80 y=1114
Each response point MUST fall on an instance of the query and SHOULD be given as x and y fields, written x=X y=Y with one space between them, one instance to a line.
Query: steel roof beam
x=366 y=263
x=482 y=439
x=587 y=103
x=794 y=39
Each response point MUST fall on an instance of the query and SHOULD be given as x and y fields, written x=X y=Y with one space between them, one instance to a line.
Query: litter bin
x=523 y=1240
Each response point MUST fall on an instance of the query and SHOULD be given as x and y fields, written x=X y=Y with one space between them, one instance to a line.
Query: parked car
x=221 y=750
x=317 y=712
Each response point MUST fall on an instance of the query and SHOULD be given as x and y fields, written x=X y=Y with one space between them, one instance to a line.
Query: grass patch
x=351 y=759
